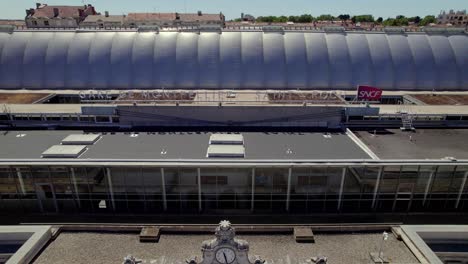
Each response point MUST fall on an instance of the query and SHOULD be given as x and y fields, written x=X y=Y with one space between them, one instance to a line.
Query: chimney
x=38 y=5
x=56 y=12
x=200 y=13
x=106 y=13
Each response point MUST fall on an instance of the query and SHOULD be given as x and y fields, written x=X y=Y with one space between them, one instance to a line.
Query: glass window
x=226 y=188
x=7 y=184
x=389 y=181
x=181 y=189
x=271 y=186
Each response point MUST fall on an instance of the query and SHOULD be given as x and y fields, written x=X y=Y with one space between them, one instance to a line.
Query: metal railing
x=230 y=28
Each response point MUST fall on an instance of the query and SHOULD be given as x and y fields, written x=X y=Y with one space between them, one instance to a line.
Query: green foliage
x=427 y=20
x=306 y=18
x=415 y=19
x=363 y=18
x=396 y=22
x=325 y=18
x=344 y=17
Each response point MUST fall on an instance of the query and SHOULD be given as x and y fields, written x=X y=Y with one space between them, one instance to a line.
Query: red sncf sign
x=368 y=93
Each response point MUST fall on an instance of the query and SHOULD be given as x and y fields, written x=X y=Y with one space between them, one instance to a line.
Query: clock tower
x=225 y=248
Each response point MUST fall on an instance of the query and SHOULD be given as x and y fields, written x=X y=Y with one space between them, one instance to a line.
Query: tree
x=305 y=18
x=415 y=19
x=396 y=22
x=380 y=20
x=282 y=19
x=363 y=18
x=327 y=17
x=427 y=20
x=344 y=17
x=293 y=19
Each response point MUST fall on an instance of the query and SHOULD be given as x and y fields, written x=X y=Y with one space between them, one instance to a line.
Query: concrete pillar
x=163 y=184
x=199 y=190
x=75 y=186
x=288 y=195
x=20 y=180
x=253 y=191
x=340 y=195
x=377 y=184
x=460 y=191
x=111 y=190
x=428 y=186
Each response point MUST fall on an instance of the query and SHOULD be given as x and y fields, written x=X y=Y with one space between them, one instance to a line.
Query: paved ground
x=74 y=248
x=421 y=144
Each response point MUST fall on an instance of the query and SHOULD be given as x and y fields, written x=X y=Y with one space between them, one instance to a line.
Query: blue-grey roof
x=248 y=60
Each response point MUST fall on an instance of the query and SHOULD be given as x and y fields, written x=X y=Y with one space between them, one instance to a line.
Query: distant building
x=45 y=16
x=13 y=22
x=458 y=18
x=173 y=19
x=247 y=18
x=104 y=21
x=190 y=19
x=149 y=19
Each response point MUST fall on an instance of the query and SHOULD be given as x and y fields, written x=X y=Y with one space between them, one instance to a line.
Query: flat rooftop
x=421 y=144
x=76 y=248
x=20 y=145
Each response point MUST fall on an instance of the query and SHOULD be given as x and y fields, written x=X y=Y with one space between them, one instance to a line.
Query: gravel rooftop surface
x=72 y=248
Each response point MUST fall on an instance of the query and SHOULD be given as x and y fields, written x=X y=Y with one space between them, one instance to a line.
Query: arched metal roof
x=246 y=60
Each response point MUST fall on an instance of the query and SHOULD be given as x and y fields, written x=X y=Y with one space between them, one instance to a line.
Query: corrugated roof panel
x=187 y=60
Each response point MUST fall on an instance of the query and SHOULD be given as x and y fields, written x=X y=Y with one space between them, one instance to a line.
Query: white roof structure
x=64 y=151
x=231 y=60
x=80 y=139
x=226 y=151
x=229 y=139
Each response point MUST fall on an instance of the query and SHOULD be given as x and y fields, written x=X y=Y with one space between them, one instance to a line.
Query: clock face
x=225 y=255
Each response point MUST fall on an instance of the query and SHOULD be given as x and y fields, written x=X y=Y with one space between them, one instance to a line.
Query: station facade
x=240 y=188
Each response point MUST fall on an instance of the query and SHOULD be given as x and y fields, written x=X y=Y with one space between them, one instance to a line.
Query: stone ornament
x=225 y=248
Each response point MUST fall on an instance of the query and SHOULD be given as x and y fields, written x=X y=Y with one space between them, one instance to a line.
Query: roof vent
x=226 y=151
x=226 y=139
x=80 y=139
x=64 y=151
